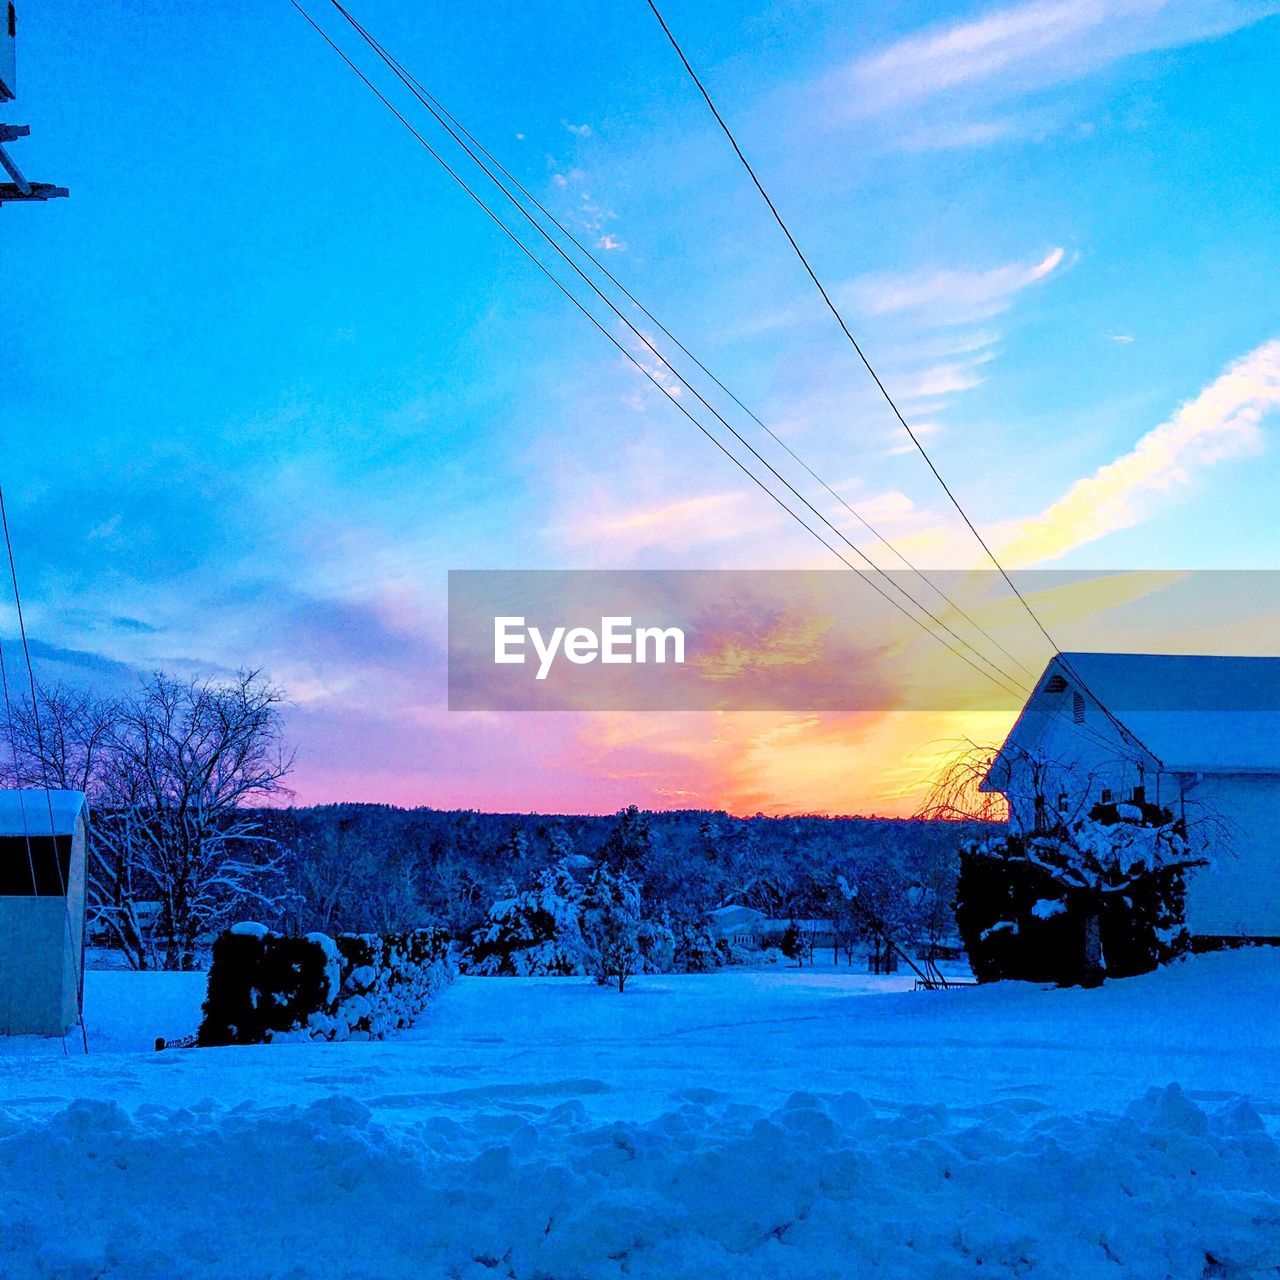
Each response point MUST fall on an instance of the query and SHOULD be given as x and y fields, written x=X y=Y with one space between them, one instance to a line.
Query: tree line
x=191 y=829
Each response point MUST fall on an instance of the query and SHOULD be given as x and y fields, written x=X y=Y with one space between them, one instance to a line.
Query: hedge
x=264 y=986
x=1008 y=933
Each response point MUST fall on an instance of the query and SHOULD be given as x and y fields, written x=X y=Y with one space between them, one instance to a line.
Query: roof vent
x=1055 y=684
x=1077 y=708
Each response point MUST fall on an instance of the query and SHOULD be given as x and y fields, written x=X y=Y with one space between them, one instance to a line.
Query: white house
x=42 y=895
x=753 y=930
x=740 y=926
x=1199 y=736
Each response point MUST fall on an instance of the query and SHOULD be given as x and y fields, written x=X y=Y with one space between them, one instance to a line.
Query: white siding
x=1240 y=894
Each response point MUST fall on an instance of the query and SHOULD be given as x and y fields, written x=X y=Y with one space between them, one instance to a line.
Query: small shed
x=42 y=908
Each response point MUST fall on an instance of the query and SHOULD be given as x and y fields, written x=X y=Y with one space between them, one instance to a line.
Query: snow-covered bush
x=797 y=943
x=772 y=955
x=535 y=932
x=264 y=986
x=1101 y=895
x=696 y=950
x=657 y=947
x=558 y=927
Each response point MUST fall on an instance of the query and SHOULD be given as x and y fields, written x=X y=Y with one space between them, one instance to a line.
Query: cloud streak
x=1224 y=421
x=952 y=85
x=1022 y=48
x=951 y=296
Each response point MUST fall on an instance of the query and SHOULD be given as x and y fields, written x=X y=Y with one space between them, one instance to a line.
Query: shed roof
x=27 y=812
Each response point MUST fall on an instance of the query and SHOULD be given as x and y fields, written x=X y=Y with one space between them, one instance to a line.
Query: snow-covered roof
x=27 y=812
x=735 y=912
x=1192 y=712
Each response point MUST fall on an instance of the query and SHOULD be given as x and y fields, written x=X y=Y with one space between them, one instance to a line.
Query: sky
x=269 y=375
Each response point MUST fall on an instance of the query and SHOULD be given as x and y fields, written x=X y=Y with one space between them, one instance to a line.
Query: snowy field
x=741 y=1124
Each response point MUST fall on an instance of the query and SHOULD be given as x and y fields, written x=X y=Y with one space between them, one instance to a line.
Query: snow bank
x=535 y=1128
x=818 y=1187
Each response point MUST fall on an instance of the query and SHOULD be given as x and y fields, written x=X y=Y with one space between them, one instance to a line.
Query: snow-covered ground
x=744 y=1124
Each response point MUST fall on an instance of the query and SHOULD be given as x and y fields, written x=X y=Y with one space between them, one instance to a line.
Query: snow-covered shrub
x=772 y=955
x=387 y=980
x=695 y=950
x=797 y=943
x=657 y=947
x=261 y=983
x=264 y=986
x=535 y=932
x=1103 y=894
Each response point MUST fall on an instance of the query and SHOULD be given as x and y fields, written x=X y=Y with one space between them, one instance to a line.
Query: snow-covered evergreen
x=534 y=932
x=611 y=925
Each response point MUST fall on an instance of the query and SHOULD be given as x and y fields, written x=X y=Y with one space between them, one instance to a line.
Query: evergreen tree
x=629 y=844
x=535 y=932
x=612 y=925
x=1077 y=901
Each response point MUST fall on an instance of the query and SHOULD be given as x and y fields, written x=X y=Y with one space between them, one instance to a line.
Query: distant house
x=1199 y=736
x=739 y=926
x=754 y=930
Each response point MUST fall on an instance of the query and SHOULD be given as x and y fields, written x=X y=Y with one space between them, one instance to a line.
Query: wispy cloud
x=698 y=520
x=951 y=296
x=1223 y=421
x=945 y=345
x=927 y=296
x=947 y=82
x=1029 y=46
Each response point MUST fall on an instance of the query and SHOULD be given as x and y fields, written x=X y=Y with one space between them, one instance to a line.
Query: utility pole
x=20 y=188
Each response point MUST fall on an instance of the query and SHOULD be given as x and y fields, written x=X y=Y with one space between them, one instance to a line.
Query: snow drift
x=819 y=1187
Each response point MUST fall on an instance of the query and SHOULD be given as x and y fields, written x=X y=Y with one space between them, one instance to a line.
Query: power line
x=631 y=358
x=831 y=306
x=455 y=128
x=889 y=400
x=452 y=124
x=428 y=102
x=657 y=382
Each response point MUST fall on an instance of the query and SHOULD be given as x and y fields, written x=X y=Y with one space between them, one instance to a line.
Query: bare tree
x=171 y=772
x=64 y=742
x=1059 y=791
x=954 y=791
x=330 y=863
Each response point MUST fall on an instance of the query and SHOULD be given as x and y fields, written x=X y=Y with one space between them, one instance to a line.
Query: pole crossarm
x=20 y=188
x=10 y=191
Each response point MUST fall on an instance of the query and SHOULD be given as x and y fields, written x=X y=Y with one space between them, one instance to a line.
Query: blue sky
x=269 y=375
